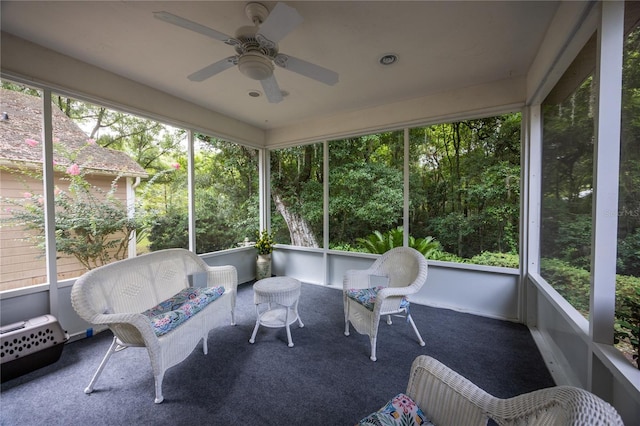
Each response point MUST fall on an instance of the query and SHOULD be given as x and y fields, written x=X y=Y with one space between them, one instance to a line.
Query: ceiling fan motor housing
x=255 y=65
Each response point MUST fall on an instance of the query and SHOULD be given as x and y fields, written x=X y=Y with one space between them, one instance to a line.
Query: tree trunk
x=299 y=230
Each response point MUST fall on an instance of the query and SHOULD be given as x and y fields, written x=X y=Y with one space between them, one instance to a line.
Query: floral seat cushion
x=367 y=297
x=174 y=311
x=401 y=411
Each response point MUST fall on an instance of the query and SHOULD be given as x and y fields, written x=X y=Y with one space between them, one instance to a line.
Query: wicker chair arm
x=130 y=328
x=356 y=278
x=389 y=299
x=395 y=292
x=225 y=275
x=555 y=405
x=447 y=398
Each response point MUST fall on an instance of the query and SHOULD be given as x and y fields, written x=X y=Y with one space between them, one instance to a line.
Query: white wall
x=563 y=336
x=465 y=103
x=480 y=290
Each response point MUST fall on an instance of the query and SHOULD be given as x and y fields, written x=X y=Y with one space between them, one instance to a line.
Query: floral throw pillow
x=401 y=411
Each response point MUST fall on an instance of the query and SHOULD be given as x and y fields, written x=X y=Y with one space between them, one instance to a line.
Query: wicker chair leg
x=158 y=379
x=233 y=316
x=205 y=346
x=415 y=329
x=389 y=320
x=374 y=340
x=94 y=379
x=346 y=319
x=257 y=326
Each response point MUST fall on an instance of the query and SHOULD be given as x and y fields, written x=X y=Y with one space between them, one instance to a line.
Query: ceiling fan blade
x=194 y=26
x=280 y=22
x=271 y=89
x=213 y=69
x=307 y=69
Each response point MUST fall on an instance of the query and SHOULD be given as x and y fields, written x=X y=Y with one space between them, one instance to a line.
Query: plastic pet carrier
x=28 y=345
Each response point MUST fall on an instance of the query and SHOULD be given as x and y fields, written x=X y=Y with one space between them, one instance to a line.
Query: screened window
x=226 y=194
x=628 y=267
x=464 y=189
x=365 y=189
x=567 y=181
x=297 y=179
x=22 y=261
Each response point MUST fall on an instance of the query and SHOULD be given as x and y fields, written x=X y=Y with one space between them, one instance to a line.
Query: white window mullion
x=49 y=202
x=533 y=188
x=264 y=170
x=530 y=205
x=606 y=171
x=325 y=208
x=191 y=204
x=405 y=208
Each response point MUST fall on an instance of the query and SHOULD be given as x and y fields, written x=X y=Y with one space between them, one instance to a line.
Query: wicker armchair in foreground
x=382 y=290
x=437 y=394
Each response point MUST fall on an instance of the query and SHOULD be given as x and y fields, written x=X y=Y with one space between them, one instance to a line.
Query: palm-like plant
x=379 y=243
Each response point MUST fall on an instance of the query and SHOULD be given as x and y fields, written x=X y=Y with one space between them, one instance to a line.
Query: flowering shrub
x=91 y=224
x=265 y=242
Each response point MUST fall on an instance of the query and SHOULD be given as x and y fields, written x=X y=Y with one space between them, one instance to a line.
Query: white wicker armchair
x=449 y=399
x=118 y=294
x=401 y=271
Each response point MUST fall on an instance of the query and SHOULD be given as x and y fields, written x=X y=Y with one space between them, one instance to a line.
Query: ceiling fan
x=256 y=47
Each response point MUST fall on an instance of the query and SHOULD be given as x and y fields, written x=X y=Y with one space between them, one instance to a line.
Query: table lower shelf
x=277 y=317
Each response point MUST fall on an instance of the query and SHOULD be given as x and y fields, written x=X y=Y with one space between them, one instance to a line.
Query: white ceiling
x=441 y=46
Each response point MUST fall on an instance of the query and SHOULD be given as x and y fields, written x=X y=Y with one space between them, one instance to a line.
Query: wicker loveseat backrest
x=134 y=285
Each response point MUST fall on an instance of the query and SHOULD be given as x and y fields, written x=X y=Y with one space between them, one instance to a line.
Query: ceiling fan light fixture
x=255 y=66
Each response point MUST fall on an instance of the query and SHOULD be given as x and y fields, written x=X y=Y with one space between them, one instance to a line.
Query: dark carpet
x=325 y=379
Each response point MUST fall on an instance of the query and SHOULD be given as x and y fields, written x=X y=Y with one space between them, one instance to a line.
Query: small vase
x=263 y=266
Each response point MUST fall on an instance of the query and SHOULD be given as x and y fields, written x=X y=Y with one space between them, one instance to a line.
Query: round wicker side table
x=281 y=295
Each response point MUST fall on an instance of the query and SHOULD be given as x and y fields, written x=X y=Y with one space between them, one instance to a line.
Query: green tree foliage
x=629 y=193
x=226 y=198
x=355 y=207
x=465 y=184
x=365 y=186
x=567 y=177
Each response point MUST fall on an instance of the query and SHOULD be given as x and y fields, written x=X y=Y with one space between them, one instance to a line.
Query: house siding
x=22 y=264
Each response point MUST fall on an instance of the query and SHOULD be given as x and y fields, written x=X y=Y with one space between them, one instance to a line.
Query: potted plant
x=264 y=246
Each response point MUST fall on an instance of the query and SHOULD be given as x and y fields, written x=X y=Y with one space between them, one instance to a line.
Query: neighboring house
x=22 y=264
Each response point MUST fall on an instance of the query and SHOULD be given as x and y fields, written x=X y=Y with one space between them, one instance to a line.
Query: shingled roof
x=23 y=126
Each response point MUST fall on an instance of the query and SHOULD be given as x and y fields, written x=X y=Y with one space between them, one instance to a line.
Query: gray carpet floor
x=325 y=379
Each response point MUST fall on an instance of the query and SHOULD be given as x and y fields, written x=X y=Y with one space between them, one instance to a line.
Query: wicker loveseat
x=147 y=301
x=437 y=395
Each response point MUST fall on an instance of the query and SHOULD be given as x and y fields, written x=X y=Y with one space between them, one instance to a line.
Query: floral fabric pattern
x=367 y=297
x=401 y=411
x=174 y=311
